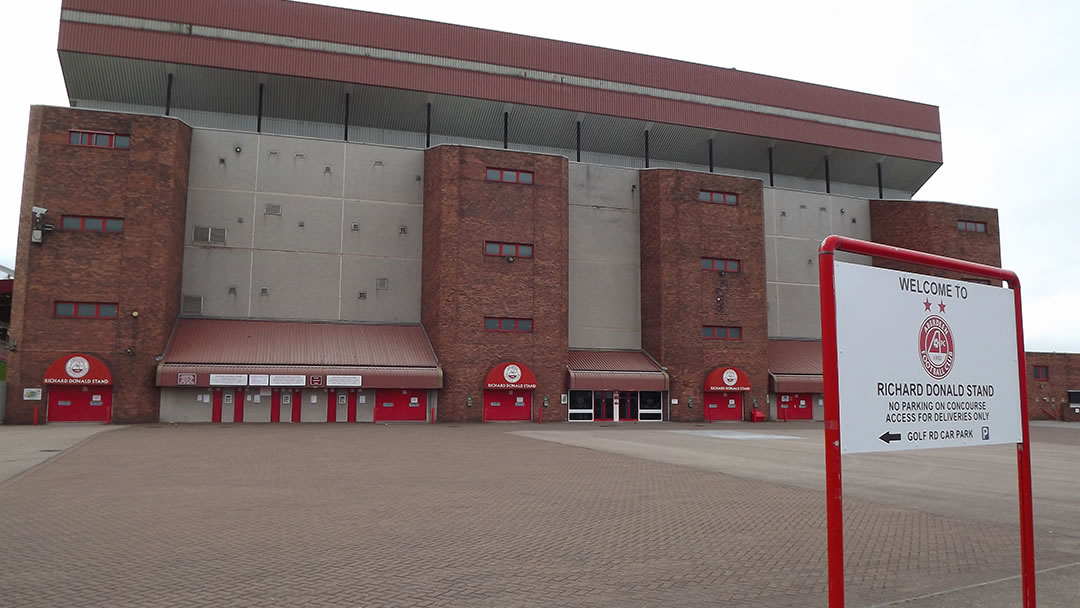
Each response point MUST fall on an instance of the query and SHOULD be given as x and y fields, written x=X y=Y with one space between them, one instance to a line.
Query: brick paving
x=363 y=515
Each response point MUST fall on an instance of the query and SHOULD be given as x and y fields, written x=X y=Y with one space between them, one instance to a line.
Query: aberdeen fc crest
x=937 y=350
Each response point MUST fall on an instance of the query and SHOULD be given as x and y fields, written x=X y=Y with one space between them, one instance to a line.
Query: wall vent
x=362 y=295
x=192 y=305
x=232 y=290
x=200 y=234
x=403 y=229
x=356 y=226
x=272 y=209
x=382 y=283
x=217 y=236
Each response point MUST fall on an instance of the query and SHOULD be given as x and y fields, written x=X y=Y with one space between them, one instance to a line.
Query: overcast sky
x=1006 y=76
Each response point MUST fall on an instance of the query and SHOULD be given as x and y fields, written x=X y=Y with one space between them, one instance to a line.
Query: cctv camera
x=40 y=210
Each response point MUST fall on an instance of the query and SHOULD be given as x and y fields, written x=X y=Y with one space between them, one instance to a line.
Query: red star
x=941 y=307
x=927 y=305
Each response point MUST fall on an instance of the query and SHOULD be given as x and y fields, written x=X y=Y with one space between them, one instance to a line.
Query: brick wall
x=1048 y=399
x=679 y=297
x=140 y=268
x=931 y=227
x=461 y=285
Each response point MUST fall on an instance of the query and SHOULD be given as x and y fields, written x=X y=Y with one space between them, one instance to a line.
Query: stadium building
x=268 y=211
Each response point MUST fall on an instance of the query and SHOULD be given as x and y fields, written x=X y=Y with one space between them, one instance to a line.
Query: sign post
x=913 y=361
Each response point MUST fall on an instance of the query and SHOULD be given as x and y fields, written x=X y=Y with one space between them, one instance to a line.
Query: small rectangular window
x=508 y=325
x=721 y=333
x=1042 y=372
x=101 y=140
x=508 y=249
x=967 y=226
x=65 y=309
x=71 y=222
x=107 y=311
x=122 y=142
x=93 y=224
x=723 y=198
x=721 y=264
x=114 y=225
x=86 y=311
x=510 y=176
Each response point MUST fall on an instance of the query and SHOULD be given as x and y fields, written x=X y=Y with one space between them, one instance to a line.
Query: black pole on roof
x=347 y=98
x=771 y=181
x=579 y=141
x=646 y=148
x=427 y=129
x=168 y=95
x=880 y=185
x=710 y=156
x=828 y=182
x=258 y=122
x=506 y=130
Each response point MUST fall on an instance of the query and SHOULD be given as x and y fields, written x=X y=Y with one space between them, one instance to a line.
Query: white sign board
x=228 y=380
x=288 y=380
x=31 y=394
x=344 y=380
x=259 y=380
x=924 y=362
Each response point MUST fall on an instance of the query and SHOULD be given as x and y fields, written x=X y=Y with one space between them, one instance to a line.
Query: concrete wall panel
x=216 y=164
x=379 y=173
x=799 y=311
x=231 y=210
x=299 y=285
x=398 y=303
x=292 y=165
x=184 y=405
x=209 y=272
x=305 y=224
x=379 y=229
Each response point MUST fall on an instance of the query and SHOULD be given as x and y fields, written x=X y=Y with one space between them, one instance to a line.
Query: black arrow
x=888 y=437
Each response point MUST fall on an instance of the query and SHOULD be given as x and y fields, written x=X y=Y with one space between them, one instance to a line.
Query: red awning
x=206 y=352
x=605 y=370
x=727 y=379
x=796 y=383
x=78 y=369
x=795 y=366
x=510 y=376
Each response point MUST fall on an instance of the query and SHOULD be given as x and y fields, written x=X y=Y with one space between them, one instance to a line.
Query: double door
x=615 y=405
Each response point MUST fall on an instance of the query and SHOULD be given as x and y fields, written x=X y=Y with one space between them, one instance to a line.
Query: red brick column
x=678 y=297
x=462 y=286
x=140 y=268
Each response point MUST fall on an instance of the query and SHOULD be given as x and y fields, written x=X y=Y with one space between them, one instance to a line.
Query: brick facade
x=931 y=227
x=678 y=297
x=462 y=286
x=139 y=268
x=1048 y=399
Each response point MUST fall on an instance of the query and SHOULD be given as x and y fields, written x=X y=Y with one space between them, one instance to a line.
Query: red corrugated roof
x=627 y=370
x=795 y=356
x=288 y=343
x=611 y=361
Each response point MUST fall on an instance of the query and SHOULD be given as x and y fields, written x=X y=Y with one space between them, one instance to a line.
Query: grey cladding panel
x=378 y=173
x=298 y=285
x=303 y=223
x=603 y=186
x=398 y=303
x=209 y=273
x=301 y=166
x=379 y=229
x=216 y=163
x=221 y=209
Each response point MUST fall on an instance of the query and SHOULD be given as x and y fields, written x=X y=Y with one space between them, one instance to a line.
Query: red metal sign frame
x=833 y=485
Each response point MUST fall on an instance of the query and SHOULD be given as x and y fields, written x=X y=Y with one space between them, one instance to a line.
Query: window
x=720 y=264
x=505 y=249
x=207 y=234
x=1042 y=372
x=85 y=310
x=710 y=332
x=99 y=140
x=724 y=198
x=91 y=224
x=510 y=176
x=966 y=226
x=508 y=325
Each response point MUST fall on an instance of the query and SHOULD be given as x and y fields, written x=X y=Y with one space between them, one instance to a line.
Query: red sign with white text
x=78 y=369
x=510 y=376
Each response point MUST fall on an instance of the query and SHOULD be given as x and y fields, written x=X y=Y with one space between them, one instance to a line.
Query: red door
x=794 y=406
x=723 y=406
x=508 y=405
x=400 y=404
x=79 y=403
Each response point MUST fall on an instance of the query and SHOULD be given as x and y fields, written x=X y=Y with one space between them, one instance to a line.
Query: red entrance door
x=507 y=405
x=723 y=406
x=400 y=404
x=79 y=403
x=795 y=406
